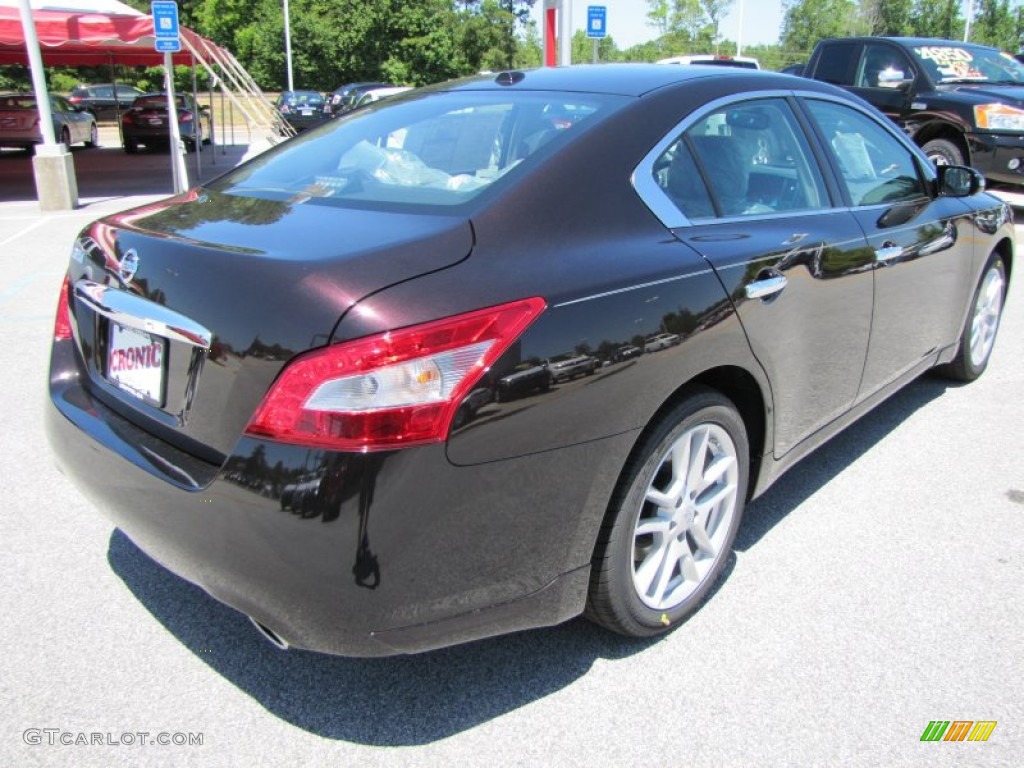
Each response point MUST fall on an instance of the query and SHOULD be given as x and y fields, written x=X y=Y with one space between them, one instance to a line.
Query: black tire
x=943 y=152
x=94 y=136
x=65 y=137
x=624 y=557
x=978 y=336
x=130 y=147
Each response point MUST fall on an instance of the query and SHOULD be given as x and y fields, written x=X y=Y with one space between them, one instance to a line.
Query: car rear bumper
x=364 y=554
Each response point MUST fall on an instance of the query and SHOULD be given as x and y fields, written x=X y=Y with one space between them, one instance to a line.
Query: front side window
x=883 y=66
x=438 y=149
x=747 y=158
x=875 y=167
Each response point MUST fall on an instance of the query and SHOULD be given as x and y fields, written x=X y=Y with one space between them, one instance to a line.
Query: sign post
x=166 y=40
x=597 y=25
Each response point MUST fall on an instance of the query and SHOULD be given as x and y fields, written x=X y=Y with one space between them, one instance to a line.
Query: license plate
x=135 y=363
x=307 y=112
x=155 y=121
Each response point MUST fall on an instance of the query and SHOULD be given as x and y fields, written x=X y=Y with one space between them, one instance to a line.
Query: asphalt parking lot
x=876 y=588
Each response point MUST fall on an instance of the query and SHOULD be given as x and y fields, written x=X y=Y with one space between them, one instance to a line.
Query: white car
x=743 y=62
x=661 y=341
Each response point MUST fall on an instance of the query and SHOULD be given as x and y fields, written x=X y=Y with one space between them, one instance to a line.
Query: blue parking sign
x=597 y=16
x=165 y=18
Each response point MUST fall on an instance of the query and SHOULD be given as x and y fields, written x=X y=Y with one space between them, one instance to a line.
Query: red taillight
x=185 y=117
x=74 y=99
x=62 y=323
x=126 y=119
x=389 y=390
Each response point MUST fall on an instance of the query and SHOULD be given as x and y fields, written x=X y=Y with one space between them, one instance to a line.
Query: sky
x=627 y=20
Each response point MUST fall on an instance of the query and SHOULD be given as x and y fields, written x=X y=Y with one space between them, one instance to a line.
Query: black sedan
x=301 y=109
x=810 y=257
x=146 y=123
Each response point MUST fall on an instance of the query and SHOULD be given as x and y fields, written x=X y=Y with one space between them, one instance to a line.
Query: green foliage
x=583 y=49
x=938 y=18
x=887 y=17
x=996 y=24
x=689 y=25
x=808 y=21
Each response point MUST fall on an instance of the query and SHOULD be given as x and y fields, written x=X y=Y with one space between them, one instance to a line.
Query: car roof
x=617 y=79
x=913 y=42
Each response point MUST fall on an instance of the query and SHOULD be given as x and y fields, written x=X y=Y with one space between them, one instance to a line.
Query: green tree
x=995 y=23
x=888 y=17
x=807 y=21
x=938 y=18
x=583 y=49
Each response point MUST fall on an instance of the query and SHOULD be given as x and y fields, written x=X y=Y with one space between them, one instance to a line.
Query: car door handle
x=768 y=286
x=888 y=252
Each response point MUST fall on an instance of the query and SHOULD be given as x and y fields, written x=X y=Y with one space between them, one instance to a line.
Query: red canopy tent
x=88 y=33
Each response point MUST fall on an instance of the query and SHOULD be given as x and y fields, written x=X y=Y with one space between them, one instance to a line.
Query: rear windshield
x=17 y=102
x=302 y=97
x=433 y=149
x=159 y=101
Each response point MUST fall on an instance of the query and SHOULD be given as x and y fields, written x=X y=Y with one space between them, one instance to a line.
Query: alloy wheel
x=682 y=529
x=985 y=322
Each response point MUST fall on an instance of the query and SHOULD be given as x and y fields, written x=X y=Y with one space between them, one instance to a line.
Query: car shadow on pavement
x=817 y=469
x=391 y=701
x=413 y=700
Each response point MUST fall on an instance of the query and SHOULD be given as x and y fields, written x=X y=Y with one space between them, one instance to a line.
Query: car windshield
x=969 y=64
x=434 y=149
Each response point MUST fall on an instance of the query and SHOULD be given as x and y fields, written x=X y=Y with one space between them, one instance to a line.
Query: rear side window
x=441 y=149
x=749 y=158
x=837 y=63
x=874 y=165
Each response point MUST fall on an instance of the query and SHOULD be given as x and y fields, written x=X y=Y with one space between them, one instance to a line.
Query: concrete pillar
x=54 y=171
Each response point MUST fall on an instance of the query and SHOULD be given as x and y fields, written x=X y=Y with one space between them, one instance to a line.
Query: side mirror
x=895 y=79
x=959 y=181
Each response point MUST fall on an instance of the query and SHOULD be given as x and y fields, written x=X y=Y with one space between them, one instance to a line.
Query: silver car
x=19 y=122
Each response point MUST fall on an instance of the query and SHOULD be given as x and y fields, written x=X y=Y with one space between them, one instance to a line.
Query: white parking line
x=17 y=235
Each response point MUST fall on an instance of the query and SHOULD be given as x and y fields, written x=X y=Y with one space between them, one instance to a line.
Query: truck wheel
x=943 y=152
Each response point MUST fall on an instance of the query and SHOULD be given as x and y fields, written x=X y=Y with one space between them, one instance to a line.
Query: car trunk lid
x=186 y=310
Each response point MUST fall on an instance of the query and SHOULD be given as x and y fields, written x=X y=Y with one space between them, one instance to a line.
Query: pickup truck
x=962 y=103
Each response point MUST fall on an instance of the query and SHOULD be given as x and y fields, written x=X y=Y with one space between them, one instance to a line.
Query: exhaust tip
x=272 y=636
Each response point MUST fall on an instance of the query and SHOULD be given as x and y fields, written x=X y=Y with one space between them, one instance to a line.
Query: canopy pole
x=52 y=165
x=199 y=126
x=213 y=119
x=117 y=98
x=178 y=170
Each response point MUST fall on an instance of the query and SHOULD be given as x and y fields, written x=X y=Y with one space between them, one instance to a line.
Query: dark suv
x=962 y=103
x=104 y=101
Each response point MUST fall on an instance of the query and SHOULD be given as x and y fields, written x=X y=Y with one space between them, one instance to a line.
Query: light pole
x=288 y=46
x=739 y=34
